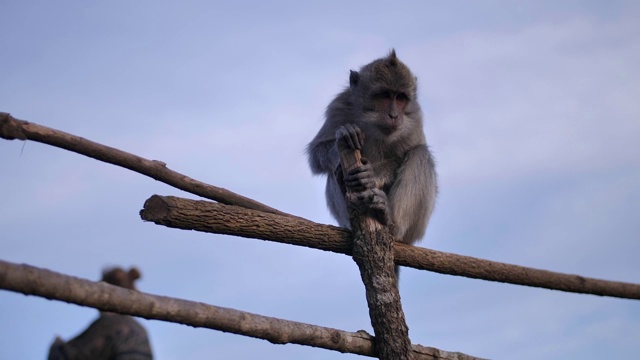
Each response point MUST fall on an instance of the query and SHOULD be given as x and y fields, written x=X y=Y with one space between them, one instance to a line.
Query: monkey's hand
x=351 y=136
x=375 y=200
x=360 y=178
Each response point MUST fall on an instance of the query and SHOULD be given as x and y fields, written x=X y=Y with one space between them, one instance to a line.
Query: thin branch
x=31 y=280
x=373 y=253
x=12 y=128
x=215 y=218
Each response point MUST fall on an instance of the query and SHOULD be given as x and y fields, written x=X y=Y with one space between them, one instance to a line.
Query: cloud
x=551 y=97
x=534 y=126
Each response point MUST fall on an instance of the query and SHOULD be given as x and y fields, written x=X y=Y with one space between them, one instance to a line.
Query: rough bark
x=328 y=238
x=232 y=220
x=12 y=128
x=31 y=280
x=373 y=253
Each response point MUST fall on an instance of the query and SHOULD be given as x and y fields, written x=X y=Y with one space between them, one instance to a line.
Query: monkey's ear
x=393 y=59
x=354 y=78
x=134 y=274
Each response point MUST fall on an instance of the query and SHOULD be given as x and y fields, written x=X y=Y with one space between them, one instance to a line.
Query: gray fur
x=402 y=165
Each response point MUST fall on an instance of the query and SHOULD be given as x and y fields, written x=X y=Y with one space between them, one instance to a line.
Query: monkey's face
x=384 y=91
x=388 y=110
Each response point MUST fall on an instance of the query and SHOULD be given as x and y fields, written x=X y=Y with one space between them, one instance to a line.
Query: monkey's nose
x=395 y=122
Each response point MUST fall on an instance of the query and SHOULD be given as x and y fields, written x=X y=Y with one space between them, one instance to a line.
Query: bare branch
x=12 y=128
x=232 y=220
x=373 y=253
x=31 y=280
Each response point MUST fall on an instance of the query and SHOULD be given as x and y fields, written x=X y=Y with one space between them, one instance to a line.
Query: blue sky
x=531 y=109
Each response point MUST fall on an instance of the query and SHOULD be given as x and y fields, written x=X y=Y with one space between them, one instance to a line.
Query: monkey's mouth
x=389 y=128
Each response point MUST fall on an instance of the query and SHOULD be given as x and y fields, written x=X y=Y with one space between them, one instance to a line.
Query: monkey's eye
x=402 y=97
x=384 y=95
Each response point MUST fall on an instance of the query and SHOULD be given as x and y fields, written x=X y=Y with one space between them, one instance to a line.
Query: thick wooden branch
x=215 y=218
x=31 y=280
x=12 y=128
x=373 y=253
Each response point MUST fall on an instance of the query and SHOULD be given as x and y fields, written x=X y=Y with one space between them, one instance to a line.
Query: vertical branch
x=373 y=253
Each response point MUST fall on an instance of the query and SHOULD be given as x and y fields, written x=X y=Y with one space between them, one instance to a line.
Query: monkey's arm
x=323 y=156
x=359 y=180
x=413 y=194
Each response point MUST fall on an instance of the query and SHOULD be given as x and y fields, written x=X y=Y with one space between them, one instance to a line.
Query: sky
x=531 y=110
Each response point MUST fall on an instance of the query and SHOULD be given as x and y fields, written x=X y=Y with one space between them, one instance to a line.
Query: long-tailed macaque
x=379 y=115
x=112 y=336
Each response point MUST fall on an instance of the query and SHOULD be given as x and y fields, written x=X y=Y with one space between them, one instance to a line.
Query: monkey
x=112 y=336
x=378 y=114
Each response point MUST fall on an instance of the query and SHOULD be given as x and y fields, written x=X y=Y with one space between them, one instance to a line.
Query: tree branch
x=31 y=280
x=12 y=128
x=373 y=253
x=215 y=218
